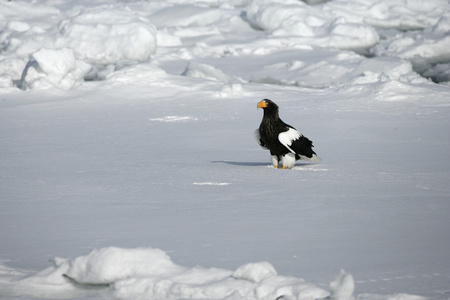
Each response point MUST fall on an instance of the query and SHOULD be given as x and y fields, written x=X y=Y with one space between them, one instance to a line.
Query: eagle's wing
x=258 y=139
x=298 y=144
x=287 y=138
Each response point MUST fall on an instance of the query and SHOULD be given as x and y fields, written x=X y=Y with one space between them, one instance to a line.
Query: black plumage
x=285 y=143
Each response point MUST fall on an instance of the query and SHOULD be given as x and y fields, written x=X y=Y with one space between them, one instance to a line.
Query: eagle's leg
x=288 y=161
x=275 y=160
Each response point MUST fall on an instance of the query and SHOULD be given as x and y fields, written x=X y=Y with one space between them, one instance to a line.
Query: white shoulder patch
x=286 y=138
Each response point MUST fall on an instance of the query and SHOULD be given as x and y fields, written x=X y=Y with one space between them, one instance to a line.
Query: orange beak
x=261 y=104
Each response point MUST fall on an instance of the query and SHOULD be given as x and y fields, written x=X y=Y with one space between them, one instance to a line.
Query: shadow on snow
x=256 y=164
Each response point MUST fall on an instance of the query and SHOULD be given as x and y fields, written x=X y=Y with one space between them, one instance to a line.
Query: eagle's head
x=269 y=106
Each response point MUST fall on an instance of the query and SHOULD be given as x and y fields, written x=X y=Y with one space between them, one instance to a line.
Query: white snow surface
x=128 y=168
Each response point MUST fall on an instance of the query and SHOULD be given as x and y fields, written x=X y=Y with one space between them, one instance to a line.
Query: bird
x=285 y=143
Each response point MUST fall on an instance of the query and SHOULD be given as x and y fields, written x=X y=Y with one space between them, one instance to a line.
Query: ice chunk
x=53 y=67
x=110 y=264
x=107 y=35
x=255 y=272
x=202 y=70
x=342 y=286
x=317 y=26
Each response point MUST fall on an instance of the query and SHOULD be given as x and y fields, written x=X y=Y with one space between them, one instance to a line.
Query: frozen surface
x=129 y=168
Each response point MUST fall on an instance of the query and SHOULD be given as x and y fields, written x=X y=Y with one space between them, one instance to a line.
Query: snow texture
x=127 y=157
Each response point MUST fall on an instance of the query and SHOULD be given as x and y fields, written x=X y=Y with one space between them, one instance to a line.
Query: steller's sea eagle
x=285 y=143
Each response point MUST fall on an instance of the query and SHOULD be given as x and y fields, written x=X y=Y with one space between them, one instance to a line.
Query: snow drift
x=108 y=35
x=53 y=67
x=147 y=273
x=315 y=26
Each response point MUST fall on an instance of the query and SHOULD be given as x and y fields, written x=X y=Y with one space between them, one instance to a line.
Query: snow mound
x=107 y=35
x=92 y=40
x=255 y=272
x=394 y=14
x=53 y=67
x=316 y=26
x=147 y=73
x=380 y=69
x=148 y=273
x=342 y=286
x=206 y=71
x=11 y=70
x=111 y=264
x=342 y=69
x=427 y=50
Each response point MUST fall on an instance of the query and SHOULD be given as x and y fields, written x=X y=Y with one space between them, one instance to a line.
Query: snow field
x=98 y=158
x=126 y=127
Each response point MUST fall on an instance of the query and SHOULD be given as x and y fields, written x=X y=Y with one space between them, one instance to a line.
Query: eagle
x=285 y=143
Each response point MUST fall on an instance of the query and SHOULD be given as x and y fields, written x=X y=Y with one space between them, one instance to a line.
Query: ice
x=54 y=67
x=128 y=168
x=143 y=273
x=342 y=286
x=107 y=35
x=109 y=265
x=201 y=70
x=255 y=272
x=427 y=50
x=314 y=25
x=396 y=14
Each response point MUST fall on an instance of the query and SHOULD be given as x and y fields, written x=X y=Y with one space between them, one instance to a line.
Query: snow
x=310 y=25
x=108 y=35
x=427 y=50
x=342 y=286
x=144 y=273
x=58 y=67
x=129 y=170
